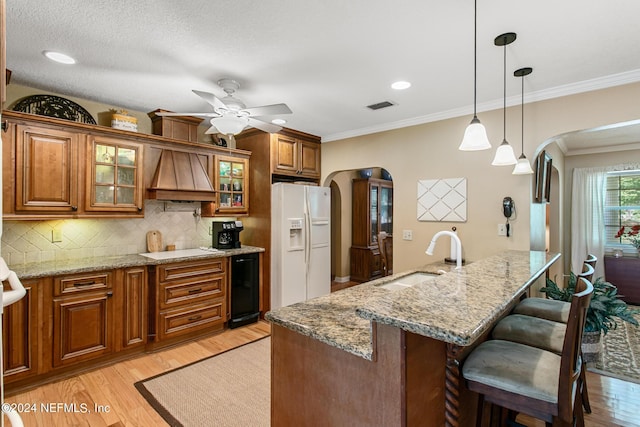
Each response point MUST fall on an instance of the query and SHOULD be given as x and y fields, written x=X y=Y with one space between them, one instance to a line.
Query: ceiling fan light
x=475 y=137
x=278 y=121
x=504 y=155
x=230 y=125
x=522 y=167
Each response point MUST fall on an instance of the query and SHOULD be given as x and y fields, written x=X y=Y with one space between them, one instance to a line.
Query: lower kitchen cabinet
x=132 y=308
x=189 y=297
x=82 y=317
x=20 y=332
x=69 y=322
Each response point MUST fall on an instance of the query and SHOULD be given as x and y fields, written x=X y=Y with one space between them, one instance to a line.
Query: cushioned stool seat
x=550 y=309
x=533 y=331
x=516 y=368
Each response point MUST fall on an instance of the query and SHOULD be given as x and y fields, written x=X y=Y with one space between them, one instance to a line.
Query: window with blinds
x=622 y=204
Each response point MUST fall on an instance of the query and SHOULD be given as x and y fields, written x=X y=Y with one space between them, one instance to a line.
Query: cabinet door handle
x=139 y=209
x=74 y=208
x=109 y=294
x=81 y=284
x=191 y=319
x=193 y=291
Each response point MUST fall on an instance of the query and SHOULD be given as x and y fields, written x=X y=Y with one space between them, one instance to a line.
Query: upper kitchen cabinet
x=114 y=180
x=232 y=178
x=46 y=169
x=297 y=156
x=183 y=128
x=54 y=170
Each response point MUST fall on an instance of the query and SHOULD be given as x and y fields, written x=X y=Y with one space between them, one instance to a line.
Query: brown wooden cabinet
x=53 y=171
x=189 y=298
x=267 y=151
x=295 y=156
x=624 y=272
x=46 y=169
x=21 y=324
x=372 y=213
x=132 y=308
x=184 y=128
x=232 y=185
x=114 y=179
x=83 y=319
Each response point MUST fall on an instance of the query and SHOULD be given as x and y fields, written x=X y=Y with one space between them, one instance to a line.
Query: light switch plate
x=407 y=235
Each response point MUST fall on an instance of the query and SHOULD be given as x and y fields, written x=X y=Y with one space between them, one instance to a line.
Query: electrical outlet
x=407 y=235
x=502 y=229
x=56 y=235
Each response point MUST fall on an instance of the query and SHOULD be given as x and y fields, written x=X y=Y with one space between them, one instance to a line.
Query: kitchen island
x=372 y=355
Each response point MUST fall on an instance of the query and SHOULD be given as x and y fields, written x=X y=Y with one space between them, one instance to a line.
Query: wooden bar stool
x=529 y=380
x=542 y=323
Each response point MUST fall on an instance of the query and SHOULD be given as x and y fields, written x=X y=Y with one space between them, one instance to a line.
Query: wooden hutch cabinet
x=372 y=213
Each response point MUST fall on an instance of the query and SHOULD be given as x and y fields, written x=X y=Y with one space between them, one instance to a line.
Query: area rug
x=621 y=352
x=226 y=390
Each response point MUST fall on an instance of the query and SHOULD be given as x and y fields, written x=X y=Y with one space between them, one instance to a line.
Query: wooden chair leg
x=480 y=410
x=584 y=393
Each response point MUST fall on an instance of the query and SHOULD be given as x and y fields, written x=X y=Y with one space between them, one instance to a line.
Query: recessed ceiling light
x=59 y=57
x=401 y=85
x=278 y=121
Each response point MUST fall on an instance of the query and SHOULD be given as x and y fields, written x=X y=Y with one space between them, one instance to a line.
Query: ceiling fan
x=230 y=115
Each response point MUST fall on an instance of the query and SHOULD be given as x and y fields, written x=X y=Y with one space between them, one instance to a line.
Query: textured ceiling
x=326 y=59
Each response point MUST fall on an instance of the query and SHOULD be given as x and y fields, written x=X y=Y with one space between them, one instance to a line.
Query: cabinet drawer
x=191 y=319
x=172 y=294
x=69 y=285
x=185 y=270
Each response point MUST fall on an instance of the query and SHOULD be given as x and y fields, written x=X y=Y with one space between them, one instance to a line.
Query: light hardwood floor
x=614 y=402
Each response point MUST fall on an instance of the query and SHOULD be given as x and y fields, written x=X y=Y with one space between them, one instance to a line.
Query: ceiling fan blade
x=211 y=99
x=268 y=110
x=211 y=130
x=265 y=127
x=171 y=114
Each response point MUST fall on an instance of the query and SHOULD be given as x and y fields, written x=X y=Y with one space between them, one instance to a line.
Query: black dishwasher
x=245 y=289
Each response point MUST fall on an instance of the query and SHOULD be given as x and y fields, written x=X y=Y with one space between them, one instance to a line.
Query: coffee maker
x=226 y=234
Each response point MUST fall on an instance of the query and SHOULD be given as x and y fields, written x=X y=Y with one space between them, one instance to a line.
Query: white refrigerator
x=300 y=243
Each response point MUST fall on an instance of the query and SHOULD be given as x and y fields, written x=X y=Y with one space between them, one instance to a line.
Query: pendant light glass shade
x=475 y=136
x=523 y=167
x=504 y=155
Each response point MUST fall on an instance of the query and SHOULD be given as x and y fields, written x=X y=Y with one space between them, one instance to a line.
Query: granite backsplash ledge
x=25 y=242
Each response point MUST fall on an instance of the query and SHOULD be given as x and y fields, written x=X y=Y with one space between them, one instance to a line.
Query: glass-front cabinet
x=232 y=185
x=372 y=213
x=114 y=182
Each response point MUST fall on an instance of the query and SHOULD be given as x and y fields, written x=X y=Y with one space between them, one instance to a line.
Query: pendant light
x=522 y=167
x=504 y=154
x=475 y=136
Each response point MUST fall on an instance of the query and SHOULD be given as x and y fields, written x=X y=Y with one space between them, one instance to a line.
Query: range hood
x=181 y=176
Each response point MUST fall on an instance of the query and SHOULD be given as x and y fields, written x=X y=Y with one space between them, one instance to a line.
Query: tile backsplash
x=31 y=241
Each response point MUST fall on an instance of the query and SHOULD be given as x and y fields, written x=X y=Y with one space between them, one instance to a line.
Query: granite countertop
x=83 y=265
x=456 y=307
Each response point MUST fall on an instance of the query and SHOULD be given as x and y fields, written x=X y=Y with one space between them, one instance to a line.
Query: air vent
x=379 y=105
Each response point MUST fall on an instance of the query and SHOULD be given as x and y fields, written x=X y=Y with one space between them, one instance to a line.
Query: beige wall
x=431 y=151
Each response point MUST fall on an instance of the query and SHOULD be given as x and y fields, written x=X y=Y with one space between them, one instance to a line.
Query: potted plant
x=605 y=310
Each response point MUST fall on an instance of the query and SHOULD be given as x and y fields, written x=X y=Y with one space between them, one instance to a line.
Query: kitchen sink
x=407 y=281
x=181 y=253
